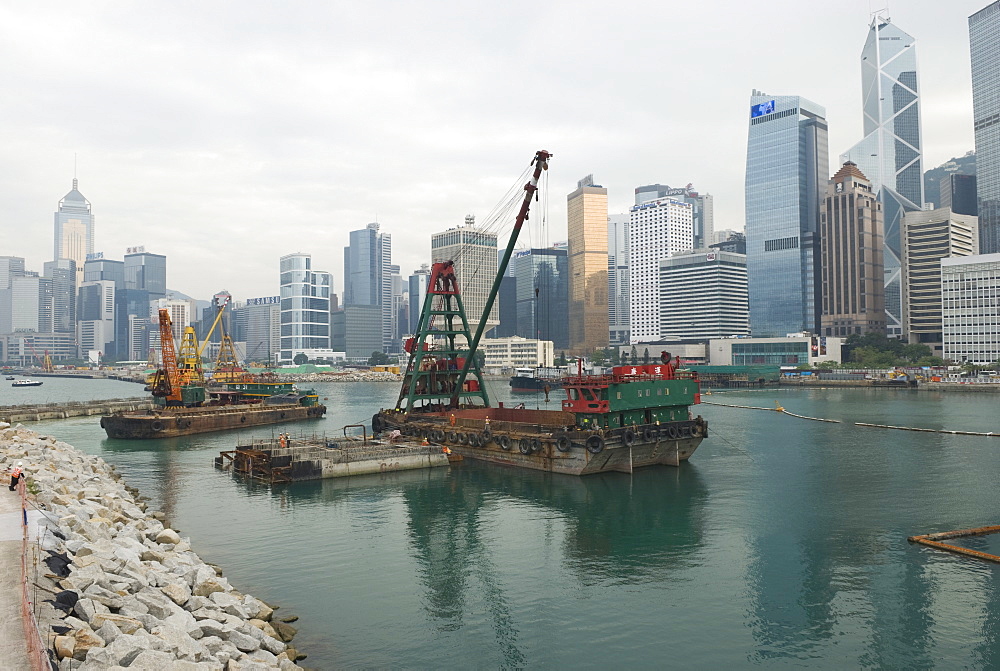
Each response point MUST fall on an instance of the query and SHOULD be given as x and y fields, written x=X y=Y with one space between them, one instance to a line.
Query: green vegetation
x=874 y=350
x=378 y=359
x=300 y=359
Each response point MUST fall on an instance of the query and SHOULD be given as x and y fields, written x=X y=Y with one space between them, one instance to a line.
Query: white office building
x=970 y=298
x=517 y=352
x=704 y=295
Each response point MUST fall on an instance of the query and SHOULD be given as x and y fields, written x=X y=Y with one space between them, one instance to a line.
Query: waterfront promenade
x=12 y=639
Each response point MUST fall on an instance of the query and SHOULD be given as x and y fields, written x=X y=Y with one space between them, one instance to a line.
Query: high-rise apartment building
x=305 y=308
x=703 y=295
x=587 y=225
x=852 y=275
x=474 y=252
x=786 y=176
x=542 y=295
x=702 y=209
x=368 y=273
x=618 y=279
x=74 y=230
x=929 y=237
x=95 y=326
x=984 y=48
x=890 y=153
x=657 y=230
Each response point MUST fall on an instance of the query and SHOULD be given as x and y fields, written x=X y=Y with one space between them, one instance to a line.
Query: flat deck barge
x=317 y=457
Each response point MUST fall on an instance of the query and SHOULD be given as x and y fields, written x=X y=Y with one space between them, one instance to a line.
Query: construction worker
x=451 y=420
x=15 y=475
x=446 y=449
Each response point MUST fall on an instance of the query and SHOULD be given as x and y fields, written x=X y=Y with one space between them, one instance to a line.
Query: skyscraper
x=851 y=234
x=368 y=278
x=146 y=272
x=416 y=290
x=542 y=295
x=786 y=175
x=928 y=237
x=474 y=252
x=74 y=230
x=618 y=279
x=62 y=272
x=890 y=154
x=305 y=308
x=984 y=47
x=702 y=209
x=657 y=230
x=587 y=225
x=703 y=295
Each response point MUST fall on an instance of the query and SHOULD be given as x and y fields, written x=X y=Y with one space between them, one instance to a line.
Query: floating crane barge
x=636 y=416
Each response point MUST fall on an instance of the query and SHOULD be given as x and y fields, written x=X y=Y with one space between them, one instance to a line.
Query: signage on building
x=94 y=256
x=266 y=300
x=135 y=250
x=839 y=188
x=761 y=109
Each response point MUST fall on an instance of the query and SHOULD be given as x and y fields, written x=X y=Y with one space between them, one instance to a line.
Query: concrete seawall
x=13 y=414
x=987 y=388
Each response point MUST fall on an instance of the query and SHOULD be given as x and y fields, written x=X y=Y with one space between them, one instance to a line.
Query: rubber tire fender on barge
x=563 y=443
x=628 y=437
x=524 y=446
x=673 y=432
x=156 y=426
x=595 y=444
x=503 y=442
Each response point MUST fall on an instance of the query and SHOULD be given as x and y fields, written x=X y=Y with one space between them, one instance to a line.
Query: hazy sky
x=227 y=134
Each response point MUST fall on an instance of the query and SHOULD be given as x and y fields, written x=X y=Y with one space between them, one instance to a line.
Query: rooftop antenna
x=74 y=170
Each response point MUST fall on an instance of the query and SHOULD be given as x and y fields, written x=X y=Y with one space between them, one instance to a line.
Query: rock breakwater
x=118 y=588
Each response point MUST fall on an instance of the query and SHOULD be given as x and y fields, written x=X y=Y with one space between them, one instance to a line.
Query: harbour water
x=781 y=544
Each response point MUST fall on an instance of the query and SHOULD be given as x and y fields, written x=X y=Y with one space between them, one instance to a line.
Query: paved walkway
x=12 y=641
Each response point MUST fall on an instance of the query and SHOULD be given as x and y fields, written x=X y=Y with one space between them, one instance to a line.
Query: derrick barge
x=633 y=417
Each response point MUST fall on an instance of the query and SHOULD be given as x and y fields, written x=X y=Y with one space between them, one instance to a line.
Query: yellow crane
x=189 y=353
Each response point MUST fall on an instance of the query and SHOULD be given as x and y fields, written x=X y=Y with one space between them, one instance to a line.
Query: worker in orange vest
x=15 y=475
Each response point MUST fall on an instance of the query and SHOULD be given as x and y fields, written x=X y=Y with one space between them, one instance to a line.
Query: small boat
x=11 y=377
x=26 y=383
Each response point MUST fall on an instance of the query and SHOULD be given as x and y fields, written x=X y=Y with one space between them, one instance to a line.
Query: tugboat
x=636 y=416
x=187 y=408
x=533 y=380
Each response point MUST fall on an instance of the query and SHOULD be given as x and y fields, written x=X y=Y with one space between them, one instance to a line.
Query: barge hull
x=169 y=423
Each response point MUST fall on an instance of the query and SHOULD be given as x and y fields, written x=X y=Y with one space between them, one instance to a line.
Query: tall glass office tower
x=368 y=278
x=787 y=168
x=984 y=43
x=543 y=295
x=890 y=154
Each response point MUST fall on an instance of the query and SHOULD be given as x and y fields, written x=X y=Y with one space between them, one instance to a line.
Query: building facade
x=368 y=274
x=542 y=295
x=702 y=210
x=618 y=279
x=305 y=308
x=970 y=299
x=658 y=229
x=704 y=295
x=62 y=272
x=474 y=252
x=791 y=351
x=929 y=237
x=146 y=272
x=517 y=352
x=786 y=176
x=587 y=225
x=851 y=244
x=958 y=194
x=984 y=49
x=74 y=230
x=263 y=328
x=890 y=155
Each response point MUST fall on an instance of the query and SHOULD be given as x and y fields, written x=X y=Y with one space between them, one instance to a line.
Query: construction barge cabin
x=634 y=417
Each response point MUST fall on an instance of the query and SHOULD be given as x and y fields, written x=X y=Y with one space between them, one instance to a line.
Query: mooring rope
x=776 y=408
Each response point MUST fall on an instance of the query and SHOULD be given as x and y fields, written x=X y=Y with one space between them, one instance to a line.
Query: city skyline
x=285 y=142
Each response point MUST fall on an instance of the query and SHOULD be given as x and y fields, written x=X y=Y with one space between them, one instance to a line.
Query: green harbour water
x=781 y=544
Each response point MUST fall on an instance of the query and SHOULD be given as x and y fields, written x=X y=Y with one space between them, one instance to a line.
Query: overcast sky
x=224 y=135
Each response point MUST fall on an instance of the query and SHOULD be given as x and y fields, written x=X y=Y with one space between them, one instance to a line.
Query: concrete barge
x=317 y=457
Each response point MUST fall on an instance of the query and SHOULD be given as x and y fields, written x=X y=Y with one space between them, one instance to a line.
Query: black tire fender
x=563 y=443
x=595 y=444
x=628 y=437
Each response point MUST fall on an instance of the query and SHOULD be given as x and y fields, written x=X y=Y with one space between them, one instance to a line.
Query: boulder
x=177 y=592
x=153 y=660
x=64 y=646
x=243 y=642
x=168 y=536
x=87 y=608
x=124 y=624
x=85 y=640
x=286 y=632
